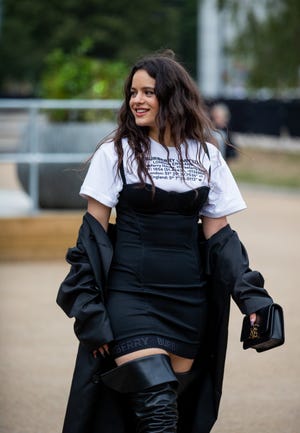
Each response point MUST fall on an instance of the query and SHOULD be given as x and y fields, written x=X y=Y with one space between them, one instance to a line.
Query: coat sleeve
x=228 y=265
x=81 y=298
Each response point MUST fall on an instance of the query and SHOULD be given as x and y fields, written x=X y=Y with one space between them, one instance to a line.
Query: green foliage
x=188 y=36
x=120 y=30
x=78 y=76
x=75 y=75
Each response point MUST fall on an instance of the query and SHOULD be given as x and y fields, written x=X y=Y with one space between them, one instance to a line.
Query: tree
x=268 y=41
x=118 y=30
x=187 y=49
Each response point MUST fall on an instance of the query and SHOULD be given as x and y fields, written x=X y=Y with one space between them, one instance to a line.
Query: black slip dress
x=157 y=290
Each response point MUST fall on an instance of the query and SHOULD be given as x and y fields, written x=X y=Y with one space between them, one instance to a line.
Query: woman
x=146 y=312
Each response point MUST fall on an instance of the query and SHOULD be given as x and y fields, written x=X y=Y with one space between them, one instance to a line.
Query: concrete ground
x=261 y=391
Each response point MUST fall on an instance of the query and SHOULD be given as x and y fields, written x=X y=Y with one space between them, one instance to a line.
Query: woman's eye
x=134 y=93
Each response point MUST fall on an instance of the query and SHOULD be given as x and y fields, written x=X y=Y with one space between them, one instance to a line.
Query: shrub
x=76 y=75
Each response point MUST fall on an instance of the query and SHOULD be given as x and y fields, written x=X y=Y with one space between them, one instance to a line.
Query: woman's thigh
x=179 y=364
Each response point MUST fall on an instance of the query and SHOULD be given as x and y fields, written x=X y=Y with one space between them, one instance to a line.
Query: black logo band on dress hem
x=140 y=342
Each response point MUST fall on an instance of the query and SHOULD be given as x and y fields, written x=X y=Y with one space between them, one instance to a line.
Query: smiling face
x=143 y=102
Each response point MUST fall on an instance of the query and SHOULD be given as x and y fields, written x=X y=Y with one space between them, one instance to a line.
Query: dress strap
x=122 y=172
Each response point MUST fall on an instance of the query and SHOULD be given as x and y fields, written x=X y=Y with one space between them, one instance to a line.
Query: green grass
x=266 y=167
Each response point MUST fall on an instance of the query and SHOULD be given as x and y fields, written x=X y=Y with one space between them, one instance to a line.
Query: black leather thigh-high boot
x=150 y=384
x=185 y=380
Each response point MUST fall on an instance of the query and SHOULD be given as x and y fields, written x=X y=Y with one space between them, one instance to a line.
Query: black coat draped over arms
x=92 y=407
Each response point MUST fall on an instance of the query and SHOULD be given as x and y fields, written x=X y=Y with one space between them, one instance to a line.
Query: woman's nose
x=139 y=97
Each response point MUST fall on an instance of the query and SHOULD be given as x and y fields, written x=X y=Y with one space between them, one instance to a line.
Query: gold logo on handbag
x=268 y=330
x=254 y=332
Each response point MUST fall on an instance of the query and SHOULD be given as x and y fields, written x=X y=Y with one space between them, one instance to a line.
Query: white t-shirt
x=104 y=184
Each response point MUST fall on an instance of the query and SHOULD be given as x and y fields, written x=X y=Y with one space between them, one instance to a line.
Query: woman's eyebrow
x=144 y=88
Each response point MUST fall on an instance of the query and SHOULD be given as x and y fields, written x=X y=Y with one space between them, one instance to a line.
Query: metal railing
x=34 y=156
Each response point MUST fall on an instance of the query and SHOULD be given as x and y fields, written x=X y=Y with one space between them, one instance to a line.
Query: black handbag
x=268 y=330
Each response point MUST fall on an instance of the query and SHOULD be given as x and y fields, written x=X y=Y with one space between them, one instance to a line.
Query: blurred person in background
x=150 y=294
x=220 y=116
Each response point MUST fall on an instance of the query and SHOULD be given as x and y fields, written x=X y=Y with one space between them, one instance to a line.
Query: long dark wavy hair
x=181 y=109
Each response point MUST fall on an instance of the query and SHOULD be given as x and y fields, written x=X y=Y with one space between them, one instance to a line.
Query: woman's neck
x=167 y=137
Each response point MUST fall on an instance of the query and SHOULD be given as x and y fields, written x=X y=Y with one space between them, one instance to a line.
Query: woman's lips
x=140 y=112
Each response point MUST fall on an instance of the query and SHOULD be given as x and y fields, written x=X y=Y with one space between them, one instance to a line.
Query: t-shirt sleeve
x=224 y=196
x=102 y=182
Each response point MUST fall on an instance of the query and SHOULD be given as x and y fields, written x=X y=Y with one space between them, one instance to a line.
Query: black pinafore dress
x=157 y=290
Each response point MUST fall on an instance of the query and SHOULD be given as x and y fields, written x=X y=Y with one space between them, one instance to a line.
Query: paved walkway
x=261 y=391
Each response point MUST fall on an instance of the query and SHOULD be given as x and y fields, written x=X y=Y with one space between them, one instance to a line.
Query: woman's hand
x=253 y=318
x=103 y=350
